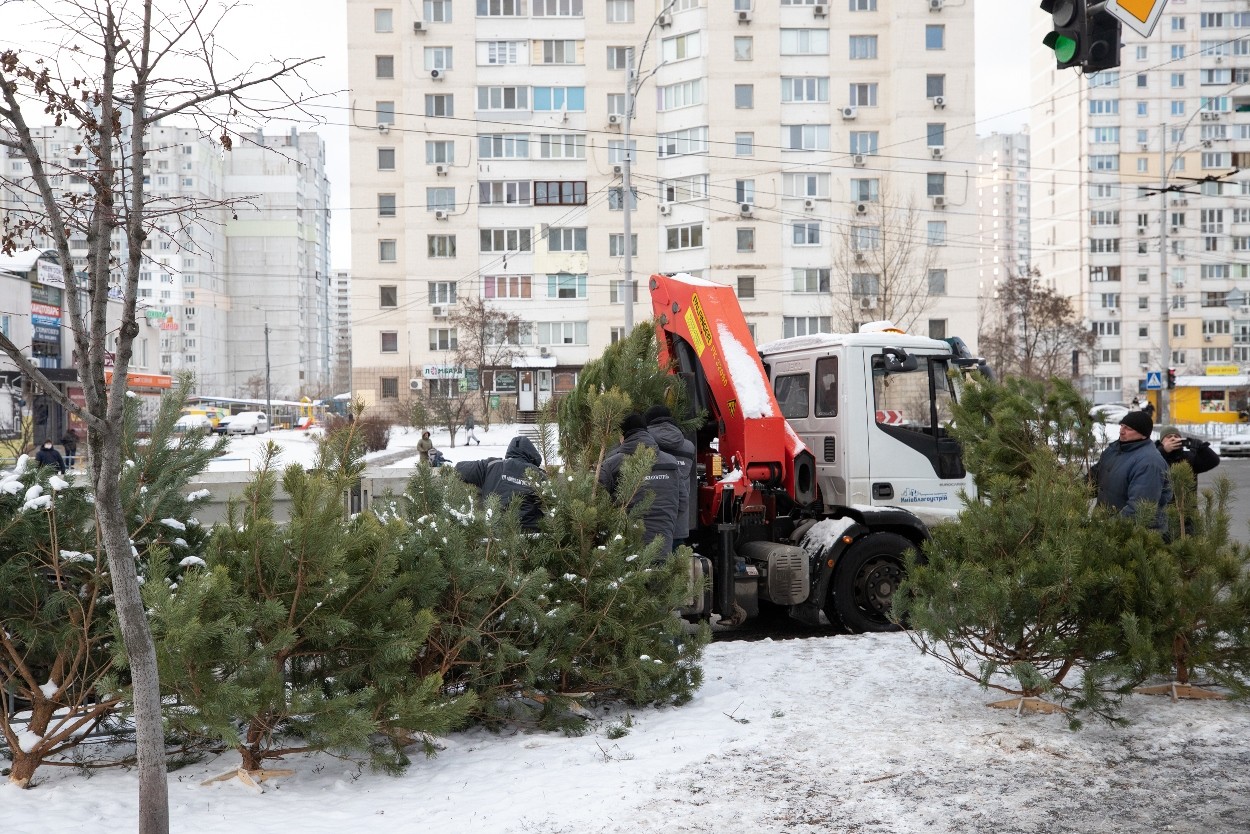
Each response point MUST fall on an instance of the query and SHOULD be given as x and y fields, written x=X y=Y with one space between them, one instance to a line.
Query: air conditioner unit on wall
x=867 y=303
x=439 y=311
x=861 y=208
x=438 y=74
x=936 y=151
x=618 y=170
x=858 y=160
x=384 y=128
x=935 y=5
x=615 y=118
x=848 y=112
x=819 y=11
x=744 y=17
x=440 y=215
x=939 y=102
x=417 y=27
x=939 y=201
x=809 y=204
x=665 y=209
x=746 y=209
x=440 y=170
x=414 y=385
x=664 y=21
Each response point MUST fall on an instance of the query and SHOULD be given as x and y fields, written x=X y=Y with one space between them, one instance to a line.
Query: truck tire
x=865 y=580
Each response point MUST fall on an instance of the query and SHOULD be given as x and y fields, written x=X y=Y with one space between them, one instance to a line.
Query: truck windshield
x=918 y=400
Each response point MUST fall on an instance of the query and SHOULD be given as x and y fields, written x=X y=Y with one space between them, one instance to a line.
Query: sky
x=829 y=733
x=310 y=28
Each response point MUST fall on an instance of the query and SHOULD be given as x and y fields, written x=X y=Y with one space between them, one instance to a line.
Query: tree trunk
x=1180 y=655
x=136 y=636
x=23 y=769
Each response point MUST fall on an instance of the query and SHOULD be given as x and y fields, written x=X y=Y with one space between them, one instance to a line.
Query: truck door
x=913 y=461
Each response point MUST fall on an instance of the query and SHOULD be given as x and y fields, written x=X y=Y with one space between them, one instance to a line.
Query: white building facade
x=488 y=138
x=1004 y=205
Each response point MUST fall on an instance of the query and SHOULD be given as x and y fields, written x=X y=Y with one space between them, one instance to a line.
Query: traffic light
x=1067 y=17
x=1171 y=377
x=1086 y=35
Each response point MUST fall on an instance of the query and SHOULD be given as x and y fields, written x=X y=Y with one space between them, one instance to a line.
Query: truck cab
x=873 y=407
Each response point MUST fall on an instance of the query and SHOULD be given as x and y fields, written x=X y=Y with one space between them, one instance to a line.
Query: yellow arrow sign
x=1138 y=15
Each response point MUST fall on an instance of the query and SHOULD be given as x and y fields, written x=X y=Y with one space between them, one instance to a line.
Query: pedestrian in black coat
x=1176 y=449
x=662 y=483
x=510 y=478
x=70 y=443
x=49 y=456
x=668 y=436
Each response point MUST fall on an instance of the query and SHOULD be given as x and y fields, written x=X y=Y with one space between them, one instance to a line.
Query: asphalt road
x=1236 y=470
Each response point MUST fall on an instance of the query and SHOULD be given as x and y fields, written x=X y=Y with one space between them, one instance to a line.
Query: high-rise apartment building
x=341 y=330
x=1003 y=205
x=1160 y=275
x=819 y=157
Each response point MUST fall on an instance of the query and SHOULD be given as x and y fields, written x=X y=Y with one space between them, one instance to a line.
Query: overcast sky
x=306 y=28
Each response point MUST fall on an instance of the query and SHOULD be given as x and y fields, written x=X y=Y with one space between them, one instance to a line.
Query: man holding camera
x=1176 y=449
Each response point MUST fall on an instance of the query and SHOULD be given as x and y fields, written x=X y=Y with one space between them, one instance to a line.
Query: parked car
x=193 y=422
x=1111 y=412
x=245 y=422
x=1235 y=445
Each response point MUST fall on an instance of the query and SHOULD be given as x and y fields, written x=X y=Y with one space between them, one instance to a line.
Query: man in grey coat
x=668 y=437
x=511 y=478
x=660 y=517
x=1131 y=471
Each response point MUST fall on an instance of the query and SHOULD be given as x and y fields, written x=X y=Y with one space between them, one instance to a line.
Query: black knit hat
x=632 y=422
x=656 y=413
x=1138 y=421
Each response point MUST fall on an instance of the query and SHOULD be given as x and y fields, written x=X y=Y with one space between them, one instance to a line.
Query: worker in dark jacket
x=49 y=456
x=1131 y=470
x=662 y=482
x=1176 y=449
x=509 y=478
x=668 y=436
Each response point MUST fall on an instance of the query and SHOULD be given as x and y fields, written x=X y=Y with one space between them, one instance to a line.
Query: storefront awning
x=534 y=362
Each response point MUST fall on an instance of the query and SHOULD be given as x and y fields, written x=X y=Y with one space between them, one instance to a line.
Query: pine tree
x=330 y=628
x=59 y=655
x=1028 y=592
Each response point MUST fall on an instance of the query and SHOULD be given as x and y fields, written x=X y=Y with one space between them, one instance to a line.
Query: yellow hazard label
x=696 y=323
x=732 y=407
x=1139 y=9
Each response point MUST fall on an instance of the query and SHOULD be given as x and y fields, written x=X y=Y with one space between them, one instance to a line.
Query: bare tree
x=882 y=265
x=487 y=338
x=1031 y=330
x=120 y=69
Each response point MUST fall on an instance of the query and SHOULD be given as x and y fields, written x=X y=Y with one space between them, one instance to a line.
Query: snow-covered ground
x=824 y=734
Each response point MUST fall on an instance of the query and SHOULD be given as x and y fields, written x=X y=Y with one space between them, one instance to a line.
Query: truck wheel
x=865 y=581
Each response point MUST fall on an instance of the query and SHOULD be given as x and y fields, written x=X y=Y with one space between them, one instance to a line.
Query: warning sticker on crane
x=696 y=323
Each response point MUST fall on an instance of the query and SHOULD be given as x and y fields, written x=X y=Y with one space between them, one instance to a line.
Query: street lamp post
x=268 y=380
x=1165 y=337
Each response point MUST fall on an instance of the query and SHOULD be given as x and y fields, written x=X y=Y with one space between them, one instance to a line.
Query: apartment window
x=504 y=240
x=438 y=58
x=616 y=104
x=936 y=134
x=746 y=240
x=562 y=146
x=934 y=85
x=438 y=11
x=680 y=47
x=863 y=47
x=805 y=89
x=562 y=332
x=496 y=53
x=936 y=235
x=501 y=8
x=388 y=296
x=810 y=280
x=744 y=48
x=744 y=191
x=804 y=41
x=689 y=236
x=389 y=387
x=557 y=8
x=805 y=137
x=934 y=36
x=616 y=199
x=616 y=245
x=1104 y=162
x=442 y=338
x=504 y=146
x=744 y=144
x=617 y=334
x=935 y=184
x=560 y=193
x=863 y=5
x=805 y=325
x=806 y=233
x=386 y=159
x=440 y=246
x=618 y=57
x=681 y=142
x=385 y=112
x=616 y=151
x=683 y=94
x=390 y=341
x=1104 y=107
x=937 y=328
x=616 y=292
x=386 y=205
x=440 y=106
x=865 y=238
x=384 y=66
x=566 y=239
x=387 y=249
x=383 y=20
x=863 y=95
x=864 y=141
x=685 y=189
x=503 y=98
x=744 y=96
x=805 y=185
x=1142 y=109
x=1109 y=300
x=440 y=199
x=937 y=282
x=746 y=286
x=507 y=286
x=504 y=193
x=620 y=11
x=1178 y=80
x=1106 y=328
x=564 y=285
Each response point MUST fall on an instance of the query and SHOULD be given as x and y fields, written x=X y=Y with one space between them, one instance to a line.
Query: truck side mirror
x=893 y=360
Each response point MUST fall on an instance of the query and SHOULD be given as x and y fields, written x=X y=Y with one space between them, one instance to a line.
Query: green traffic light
x=1065 y=47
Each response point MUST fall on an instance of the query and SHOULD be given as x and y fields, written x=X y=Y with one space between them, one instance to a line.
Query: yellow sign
x=1223 y=370
x=1138 y=15
x=696 y=323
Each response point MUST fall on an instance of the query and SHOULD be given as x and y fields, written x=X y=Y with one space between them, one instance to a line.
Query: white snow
x=198 y=494
x=58 y=483
x=27 y=741
x=754 y=396
x=33 y=493
x=40 y=503
x=821 y=735
x=193 y=562
x=48 y=689
x=76 y=556
x=173 y=524
x=11 y=486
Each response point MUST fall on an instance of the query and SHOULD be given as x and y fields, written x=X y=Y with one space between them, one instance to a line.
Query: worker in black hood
x=668 y=437
x=509 y=478
x=660 y=518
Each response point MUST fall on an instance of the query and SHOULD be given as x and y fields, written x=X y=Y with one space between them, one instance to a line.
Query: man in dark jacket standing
x=510 y=478
x=1131 y=470
x=1176 y=449
x=662 y=482
x=668 y=436
x=49 y=456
